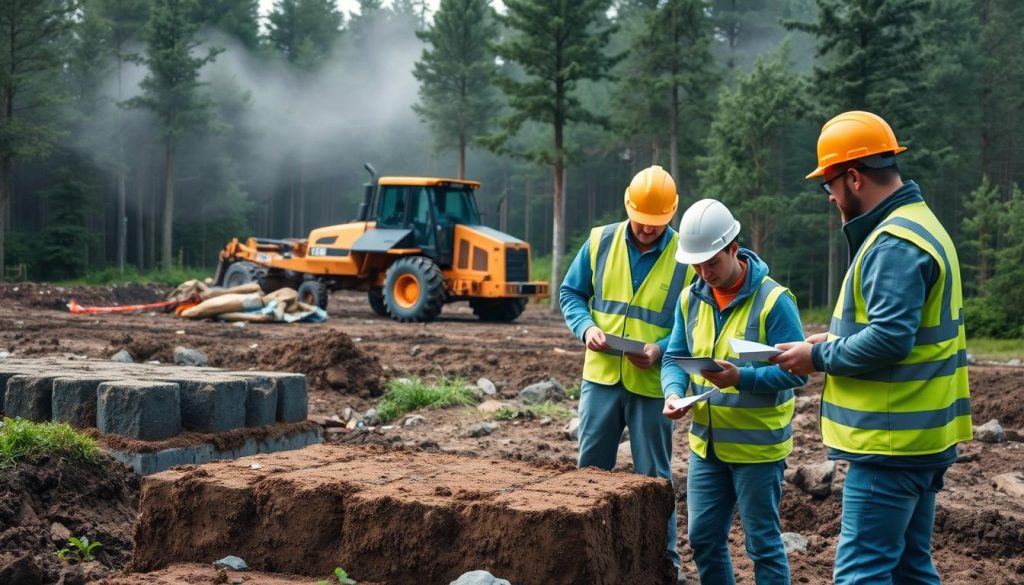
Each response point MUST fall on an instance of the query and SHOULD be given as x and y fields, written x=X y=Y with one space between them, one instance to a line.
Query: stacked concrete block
x=212 y=404
x=29 y=396
x=292 y=399
x=74 y=401
x=138 y=409
x=260 y=399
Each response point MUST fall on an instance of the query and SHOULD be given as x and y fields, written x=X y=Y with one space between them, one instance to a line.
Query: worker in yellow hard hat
x=896 y=400
x=625 y=281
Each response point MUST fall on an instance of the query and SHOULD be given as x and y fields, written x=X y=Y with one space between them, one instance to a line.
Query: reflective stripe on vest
x=921 y=404
x=745 y=428
x=646 y=316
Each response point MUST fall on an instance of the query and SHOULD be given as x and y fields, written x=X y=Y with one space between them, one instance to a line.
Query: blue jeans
x=604 y=412
x=886 y=535
x=713 y=490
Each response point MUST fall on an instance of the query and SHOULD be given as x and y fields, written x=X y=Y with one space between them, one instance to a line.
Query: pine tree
x=238 y=18
x=746 y=145
x=304 y=31
x=171 y=90
x=457 y=99
x=32 y=46
x=65 y=237
x=558 y=45
x=979 y=233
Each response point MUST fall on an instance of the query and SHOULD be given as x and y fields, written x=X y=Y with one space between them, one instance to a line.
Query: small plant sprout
x=79 y=550
x=342 y=577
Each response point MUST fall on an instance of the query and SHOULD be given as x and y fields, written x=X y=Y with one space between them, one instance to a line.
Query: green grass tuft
x=407 y=395
x=548 y=408
x=108 y=276
x=26 y=440
x=1000 y=350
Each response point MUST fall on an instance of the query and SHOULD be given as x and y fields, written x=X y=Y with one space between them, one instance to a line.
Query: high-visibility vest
x=920 y=404
x=645 y=316
x=744 y=427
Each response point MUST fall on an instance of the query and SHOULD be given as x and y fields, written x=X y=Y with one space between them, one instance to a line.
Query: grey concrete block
x=8 y=371
x=212 y=404
x=141 y=410
x=260 y=401
x=74 y=401
x=292 y=400
x=30 y=397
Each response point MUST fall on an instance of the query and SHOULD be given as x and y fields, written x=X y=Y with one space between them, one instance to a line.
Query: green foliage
x=66 y=237
x=457 y=98
x=986 y=348
x=111 y=275
x=816 y=316
x=979 y=232
x=406 y=395
x=79 y=550
x=341 y=576
x=238 y=18
x=547 y=408
x=573 y=392
x=22 y=440
x=304 y=31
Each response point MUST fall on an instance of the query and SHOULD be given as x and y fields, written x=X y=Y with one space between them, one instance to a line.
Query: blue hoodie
x=782 y=324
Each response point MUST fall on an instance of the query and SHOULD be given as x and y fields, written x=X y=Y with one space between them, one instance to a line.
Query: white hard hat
x=707 y=227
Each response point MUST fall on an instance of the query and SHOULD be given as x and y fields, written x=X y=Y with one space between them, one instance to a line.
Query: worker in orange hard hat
x=896 y=399
x=625 y=282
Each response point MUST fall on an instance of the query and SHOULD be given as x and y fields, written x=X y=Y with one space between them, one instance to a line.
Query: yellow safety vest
x=646 y=316
x=920 y=404
x=745 y=427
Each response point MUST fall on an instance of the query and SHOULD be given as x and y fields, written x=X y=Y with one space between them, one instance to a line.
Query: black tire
x=420 y=295
x=276 y=278
x=241 y=273
x=498 y=310
x=376 y=298
x=313 y=292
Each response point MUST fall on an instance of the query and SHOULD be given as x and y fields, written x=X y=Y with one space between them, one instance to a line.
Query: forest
x=139 y=136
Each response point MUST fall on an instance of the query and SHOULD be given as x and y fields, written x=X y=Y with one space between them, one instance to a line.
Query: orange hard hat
x=853 y=135
x=651 y=197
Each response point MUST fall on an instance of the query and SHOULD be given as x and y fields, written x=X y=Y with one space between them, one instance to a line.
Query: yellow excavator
x=417 y=244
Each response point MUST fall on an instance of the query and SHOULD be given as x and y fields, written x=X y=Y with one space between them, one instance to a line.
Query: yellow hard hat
x=851 y=136
x=651 y=197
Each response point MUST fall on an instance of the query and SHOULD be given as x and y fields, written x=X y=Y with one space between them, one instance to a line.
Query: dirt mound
x=96 y=501
x=330 y=360
x=987 y=532
x=995 y=393
x=44 y=296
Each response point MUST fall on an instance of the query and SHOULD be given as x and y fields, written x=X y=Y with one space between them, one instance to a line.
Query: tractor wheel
x=313 y=292
x=414 y=290
x=275 y=279
x=376 y=298
x=241 y=273
x=498 y=310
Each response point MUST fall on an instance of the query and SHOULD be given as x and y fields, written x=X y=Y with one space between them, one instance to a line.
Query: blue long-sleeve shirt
x=782 y=325
x=578 y=287
x=896 y=277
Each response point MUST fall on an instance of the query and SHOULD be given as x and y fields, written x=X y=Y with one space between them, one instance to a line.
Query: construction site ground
x=979 y=528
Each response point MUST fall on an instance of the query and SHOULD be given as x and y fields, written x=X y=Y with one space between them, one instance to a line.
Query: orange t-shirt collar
x=724 y=296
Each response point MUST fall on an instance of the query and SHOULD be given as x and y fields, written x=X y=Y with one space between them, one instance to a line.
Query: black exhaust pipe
x=368 y=189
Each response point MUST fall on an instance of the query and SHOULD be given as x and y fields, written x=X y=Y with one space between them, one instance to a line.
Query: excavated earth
x=979 y=530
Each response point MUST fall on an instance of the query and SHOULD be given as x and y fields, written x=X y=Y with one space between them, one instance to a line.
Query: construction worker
x=896 y=399
x=625 y=281
x=739 y=437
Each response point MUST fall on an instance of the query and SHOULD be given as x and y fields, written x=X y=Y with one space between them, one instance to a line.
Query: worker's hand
x=817 y=338
x=795 y=358
x=672 y=412
x=727 y=378
x=595 y=339
x=650 y=356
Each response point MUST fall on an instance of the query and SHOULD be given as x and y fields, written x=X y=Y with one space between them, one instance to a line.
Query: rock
x=327 y=421
x=625 y=453
x=804 y=403
x=487 y=387
x=231 y=562
x=990 y=432
x=971 y=360
x=1014 y=362
x=346 y=415
x=479 y=578
x=545 y=421
x=23 y=570
x=793 y=542
x=415 y=351
x=1011 y=484
x=352 y=422
x=370 y=418
x=572 y=429
x=413 y=421
x=122 y=356
x=482 y=429
x=544 y=391
x=59 y=533
x=184 y=356
x=815 y=480
x=625 y=435
x=493 y=406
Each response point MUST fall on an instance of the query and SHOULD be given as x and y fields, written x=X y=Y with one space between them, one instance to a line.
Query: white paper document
x=624 y=345
x=690 y=400
x=753 y=351
x=693 y=365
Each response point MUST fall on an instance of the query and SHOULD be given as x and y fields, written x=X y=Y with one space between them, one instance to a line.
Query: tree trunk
x=833 y=287
x=5 y=183
x=302 y=200
x=122 y=221
x=140 y=203
x=462 y=155
x=673 y=118
x=526 y=210
x=557 y=220
x=166 y=249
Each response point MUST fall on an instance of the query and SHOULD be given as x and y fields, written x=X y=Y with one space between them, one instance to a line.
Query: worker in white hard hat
x=625 y=281
x=741 y=435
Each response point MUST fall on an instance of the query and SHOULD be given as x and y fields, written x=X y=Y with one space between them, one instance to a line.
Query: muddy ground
x=979 y=533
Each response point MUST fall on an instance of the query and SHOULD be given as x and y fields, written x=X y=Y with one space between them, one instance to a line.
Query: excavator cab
x=431 y=212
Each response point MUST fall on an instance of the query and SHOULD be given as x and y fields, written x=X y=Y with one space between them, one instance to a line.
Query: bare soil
x=979 y=531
